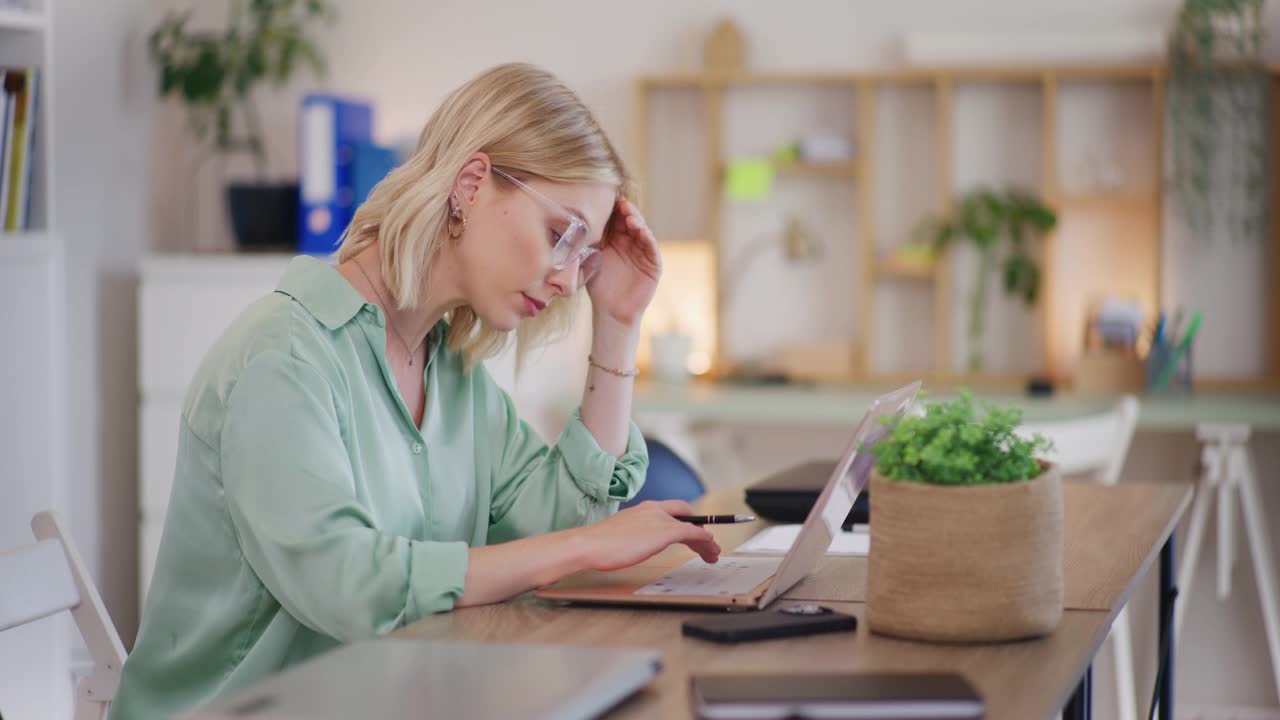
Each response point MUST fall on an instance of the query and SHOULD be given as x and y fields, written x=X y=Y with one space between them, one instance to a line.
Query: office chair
x=48 y=577
x=1098 y=445
x=669 y=477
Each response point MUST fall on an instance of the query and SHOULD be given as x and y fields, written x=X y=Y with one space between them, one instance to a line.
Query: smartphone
x=787 y=621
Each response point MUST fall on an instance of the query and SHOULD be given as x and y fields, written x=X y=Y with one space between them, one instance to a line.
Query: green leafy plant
x=215 y=72
x=953 y=445
x=1220 y=120
x=991 y=220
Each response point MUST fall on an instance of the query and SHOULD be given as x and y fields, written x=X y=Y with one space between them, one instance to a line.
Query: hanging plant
x=1219 y=114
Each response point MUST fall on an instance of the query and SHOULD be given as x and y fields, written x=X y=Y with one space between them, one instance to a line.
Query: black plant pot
x=264 y=216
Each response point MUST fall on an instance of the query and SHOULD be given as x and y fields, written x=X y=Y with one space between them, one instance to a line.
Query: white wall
x=104 y=104
x=124 y=169
x=405 y=56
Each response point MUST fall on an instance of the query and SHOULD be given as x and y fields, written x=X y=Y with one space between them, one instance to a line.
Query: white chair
x=1227 y=470
x=1098 y=445
x=48 y=577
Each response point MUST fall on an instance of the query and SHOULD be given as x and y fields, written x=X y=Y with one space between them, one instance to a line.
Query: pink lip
x=533 y=305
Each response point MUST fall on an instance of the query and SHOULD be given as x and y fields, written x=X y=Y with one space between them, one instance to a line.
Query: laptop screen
x=848 y=479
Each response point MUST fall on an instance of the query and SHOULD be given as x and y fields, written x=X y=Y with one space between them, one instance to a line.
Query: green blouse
x=308 y=509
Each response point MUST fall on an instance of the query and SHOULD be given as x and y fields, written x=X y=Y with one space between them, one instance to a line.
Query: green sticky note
x=748 y=180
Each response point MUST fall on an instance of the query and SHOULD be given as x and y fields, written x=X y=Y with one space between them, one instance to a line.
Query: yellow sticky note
x=748 y=180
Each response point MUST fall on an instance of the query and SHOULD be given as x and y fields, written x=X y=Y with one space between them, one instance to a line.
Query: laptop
x=750 y=582
x=873 y=696
x=401 y=679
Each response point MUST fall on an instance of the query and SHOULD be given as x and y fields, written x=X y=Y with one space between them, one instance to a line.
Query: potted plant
x=988 y=219
x=215 y=73
x=966 y=529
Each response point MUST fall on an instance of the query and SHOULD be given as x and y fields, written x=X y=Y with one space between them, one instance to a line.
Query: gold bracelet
x=612 y=371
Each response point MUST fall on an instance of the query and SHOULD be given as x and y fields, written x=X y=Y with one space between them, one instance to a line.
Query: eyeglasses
x=570 y=235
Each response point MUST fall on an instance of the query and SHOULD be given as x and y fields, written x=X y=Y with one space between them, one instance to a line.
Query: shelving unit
x=25 y=41
x=33 y=430
x=23 y=20
x=1138 y=207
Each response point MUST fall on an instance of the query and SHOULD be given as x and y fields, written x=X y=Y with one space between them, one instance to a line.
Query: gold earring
x=457 y=219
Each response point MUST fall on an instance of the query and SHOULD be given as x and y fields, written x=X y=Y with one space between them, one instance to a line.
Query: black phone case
x=765 y=625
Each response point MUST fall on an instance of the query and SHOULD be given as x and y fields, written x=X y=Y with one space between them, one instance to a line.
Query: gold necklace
x=385 y=306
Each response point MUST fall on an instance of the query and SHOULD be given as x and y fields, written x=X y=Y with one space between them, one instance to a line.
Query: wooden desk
x=1113 y=535
x=1020 y=681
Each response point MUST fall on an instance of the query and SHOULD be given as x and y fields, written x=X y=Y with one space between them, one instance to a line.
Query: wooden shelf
x=941 y=83
x=1120 y=198
x=30 y=20
x=897 y=269
x=844 y=168
x=697 y=78
x=841 y=168
x=1078 y=72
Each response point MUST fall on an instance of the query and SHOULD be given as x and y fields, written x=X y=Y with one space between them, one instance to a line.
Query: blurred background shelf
x=915 y=157
x=1120 y=199
x=16 y=19
x=897 y=268
x=849 y=169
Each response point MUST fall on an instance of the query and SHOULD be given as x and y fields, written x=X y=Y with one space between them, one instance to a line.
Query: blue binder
x=371 y=165
x=329 y=129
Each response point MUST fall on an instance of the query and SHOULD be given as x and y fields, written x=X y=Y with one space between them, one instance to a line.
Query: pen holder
x=1101 y=371
x=1169 y=370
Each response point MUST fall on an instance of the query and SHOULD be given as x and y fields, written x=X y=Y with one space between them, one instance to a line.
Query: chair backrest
x=1095 y=444
x=49 y=576
x=669 y=477
x=90 y=613
x=37 y=583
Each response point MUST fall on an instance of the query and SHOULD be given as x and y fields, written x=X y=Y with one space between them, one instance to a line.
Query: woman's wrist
x=614 y=344
x=572 y=553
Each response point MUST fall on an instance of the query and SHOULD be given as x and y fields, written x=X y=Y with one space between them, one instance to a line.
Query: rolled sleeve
x=598 y=474
x=539 y=488
x=437 y=577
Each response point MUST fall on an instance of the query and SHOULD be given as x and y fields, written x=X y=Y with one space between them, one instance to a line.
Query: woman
x=346 y=466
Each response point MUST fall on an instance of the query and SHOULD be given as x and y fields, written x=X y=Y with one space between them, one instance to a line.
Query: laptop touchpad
x=729 y=576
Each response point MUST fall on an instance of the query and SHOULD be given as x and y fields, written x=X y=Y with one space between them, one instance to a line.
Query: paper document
x=777 y=540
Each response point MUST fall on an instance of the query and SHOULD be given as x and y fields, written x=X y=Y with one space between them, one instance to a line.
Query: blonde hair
x=530 y=125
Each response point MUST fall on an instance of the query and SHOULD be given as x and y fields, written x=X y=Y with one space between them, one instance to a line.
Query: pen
x=1181 y=349
x=715 y=519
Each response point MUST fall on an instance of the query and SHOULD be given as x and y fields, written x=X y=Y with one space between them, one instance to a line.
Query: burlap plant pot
x=967 y=563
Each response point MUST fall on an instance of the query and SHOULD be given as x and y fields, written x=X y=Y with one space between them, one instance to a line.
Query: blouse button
x=417 y=448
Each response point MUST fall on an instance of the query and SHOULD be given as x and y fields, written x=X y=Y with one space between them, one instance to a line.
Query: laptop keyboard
x=730 y=576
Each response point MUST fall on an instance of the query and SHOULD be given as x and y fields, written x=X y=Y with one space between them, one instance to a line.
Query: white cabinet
x=36 y=659
x=185 y=302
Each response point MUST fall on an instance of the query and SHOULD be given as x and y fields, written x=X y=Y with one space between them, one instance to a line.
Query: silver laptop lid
x=847 y=481
x=401 y=679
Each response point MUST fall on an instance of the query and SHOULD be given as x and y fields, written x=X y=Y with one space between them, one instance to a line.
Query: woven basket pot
x=966 y=563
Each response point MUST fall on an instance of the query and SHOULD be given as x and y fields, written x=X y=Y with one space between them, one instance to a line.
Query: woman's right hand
x=638 y=533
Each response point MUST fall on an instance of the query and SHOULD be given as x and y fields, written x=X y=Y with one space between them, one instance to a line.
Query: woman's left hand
x=632 y=265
